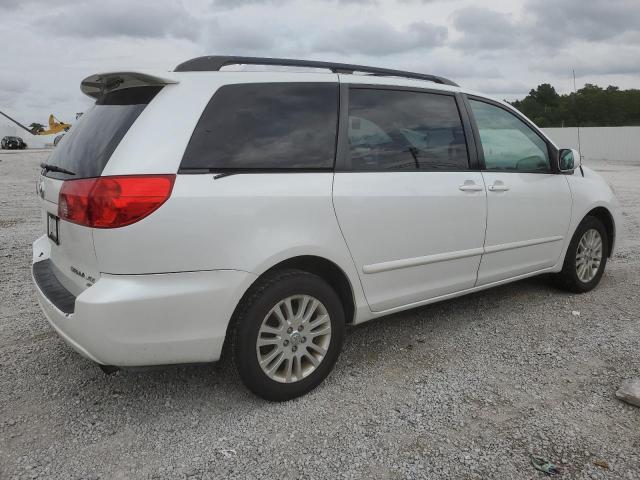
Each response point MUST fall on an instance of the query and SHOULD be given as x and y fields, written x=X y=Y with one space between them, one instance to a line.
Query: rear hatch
x=84 y=153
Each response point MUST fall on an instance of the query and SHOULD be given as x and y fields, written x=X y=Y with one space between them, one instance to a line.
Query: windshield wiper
x=53 y=168
x=414 y=153
x=224 y=174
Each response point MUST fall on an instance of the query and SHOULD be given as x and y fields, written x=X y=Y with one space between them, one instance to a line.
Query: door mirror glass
x=567 y=162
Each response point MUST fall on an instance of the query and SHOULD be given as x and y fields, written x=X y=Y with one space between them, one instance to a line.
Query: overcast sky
x=500 y=47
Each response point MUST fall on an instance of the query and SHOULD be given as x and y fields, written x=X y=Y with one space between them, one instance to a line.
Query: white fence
x=620 y=144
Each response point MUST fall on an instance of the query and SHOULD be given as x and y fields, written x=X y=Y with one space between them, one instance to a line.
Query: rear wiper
x=53 y=168
x=224 y=174
x=414 y=153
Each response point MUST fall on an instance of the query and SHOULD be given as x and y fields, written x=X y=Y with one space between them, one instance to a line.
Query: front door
x=412 y=212
x=529 y=206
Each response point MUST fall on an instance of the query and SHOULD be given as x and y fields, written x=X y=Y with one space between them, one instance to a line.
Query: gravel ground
x=468 y=388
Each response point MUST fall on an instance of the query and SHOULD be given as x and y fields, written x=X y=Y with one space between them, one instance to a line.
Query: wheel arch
x=329 y=272
x=324 y=268
x=605 y=216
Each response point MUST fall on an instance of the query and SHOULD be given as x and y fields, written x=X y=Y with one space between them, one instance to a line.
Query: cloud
x=11 y=90
x=570 y=20
x=451 y=64
x=545 y=25
x=232 y=4
x=502 y=86
x=242 y=3
x=122 y=18
x=13 y=85
x=496 y=46
x=11 y=4
x=598 y=62
x=17 y=4
x=381 y=38
x=484 y=29
x=240 y=38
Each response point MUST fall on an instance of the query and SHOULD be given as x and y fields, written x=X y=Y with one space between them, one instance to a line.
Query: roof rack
x=215 y=63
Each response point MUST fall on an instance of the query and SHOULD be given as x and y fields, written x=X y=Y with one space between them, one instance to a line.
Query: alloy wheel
x=294 y=338
x=589 y=255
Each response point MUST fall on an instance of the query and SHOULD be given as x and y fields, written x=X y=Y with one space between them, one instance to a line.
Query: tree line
x=591 y=106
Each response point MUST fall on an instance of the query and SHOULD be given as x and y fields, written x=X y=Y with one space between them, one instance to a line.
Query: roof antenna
x=575 y=91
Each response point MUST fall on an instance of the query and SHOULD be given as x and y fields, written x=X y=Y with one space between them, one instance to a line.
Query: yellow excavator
x=55 y=126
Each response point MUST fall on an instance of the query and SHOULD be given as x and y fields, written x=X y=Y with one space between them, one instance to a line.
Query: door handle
x=498 y=187
x=471 y=186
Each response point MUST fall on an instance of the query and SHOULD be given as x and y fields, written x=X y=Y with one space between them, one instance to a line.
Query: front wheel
x=288 y=334
x=586 y=257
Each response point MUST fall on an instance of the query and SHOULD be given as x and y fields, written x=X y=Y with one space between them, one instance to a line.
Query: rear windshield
x=86 y=149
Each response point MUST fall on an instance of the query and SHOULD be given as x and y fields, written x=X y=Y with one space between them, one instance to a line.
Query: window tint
x=86 y=149
x=266 y=126
x=508 y=143
x=397 y=130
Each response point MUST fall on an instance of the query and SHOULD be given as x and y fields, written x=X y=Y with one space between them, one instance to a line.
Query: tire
x=569 y=278
x=257 y=319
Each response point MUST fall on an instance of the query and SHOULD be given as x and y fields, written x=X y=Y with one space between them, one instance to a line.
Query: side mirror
x=568 y=159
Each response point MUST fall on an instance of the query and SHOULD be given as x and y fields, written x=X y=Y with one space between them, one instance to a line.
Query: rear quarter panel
x=247 y=222
x=236 y=222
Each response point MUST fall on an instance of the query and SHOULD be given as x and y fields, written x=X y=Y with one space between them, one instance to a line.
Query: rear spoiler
x=97 y=85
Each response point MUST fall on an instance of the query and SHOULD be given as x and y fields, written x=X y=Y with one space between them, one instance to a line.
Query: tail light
x=112 y=202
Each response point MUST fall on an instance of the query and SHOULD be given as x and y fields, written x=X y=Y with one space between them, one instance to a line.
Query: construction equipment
x=55 y=126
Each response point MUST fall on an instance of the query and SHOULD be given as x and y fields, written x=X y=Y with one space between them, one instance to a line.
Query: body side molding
x=417 y=261
x=443 y=257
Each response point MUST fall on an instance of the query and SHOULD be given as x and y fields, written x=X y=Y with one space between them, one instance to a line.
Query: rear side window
x=266 y=126
x=86 y=149
x=393 y=130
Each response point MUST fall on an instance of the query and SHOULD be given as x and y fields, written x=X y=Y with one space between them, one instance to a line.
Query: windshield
x=86 y=149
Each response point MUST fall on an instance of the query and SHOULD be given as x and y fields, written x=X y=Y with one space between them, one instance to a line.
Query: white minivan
x=256 y=213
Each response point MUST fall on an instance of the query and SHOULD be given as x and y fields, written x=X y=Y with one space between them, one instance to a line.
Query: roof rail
x=215 y=63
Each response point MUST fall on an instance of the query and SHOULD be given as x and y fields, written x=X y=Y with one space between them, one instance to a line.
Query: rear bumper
x=137 y=320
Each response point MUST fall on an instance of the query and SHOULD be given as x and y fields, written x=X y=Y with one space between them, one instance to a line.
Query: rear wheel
x=288 y=334
x=586 y=257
